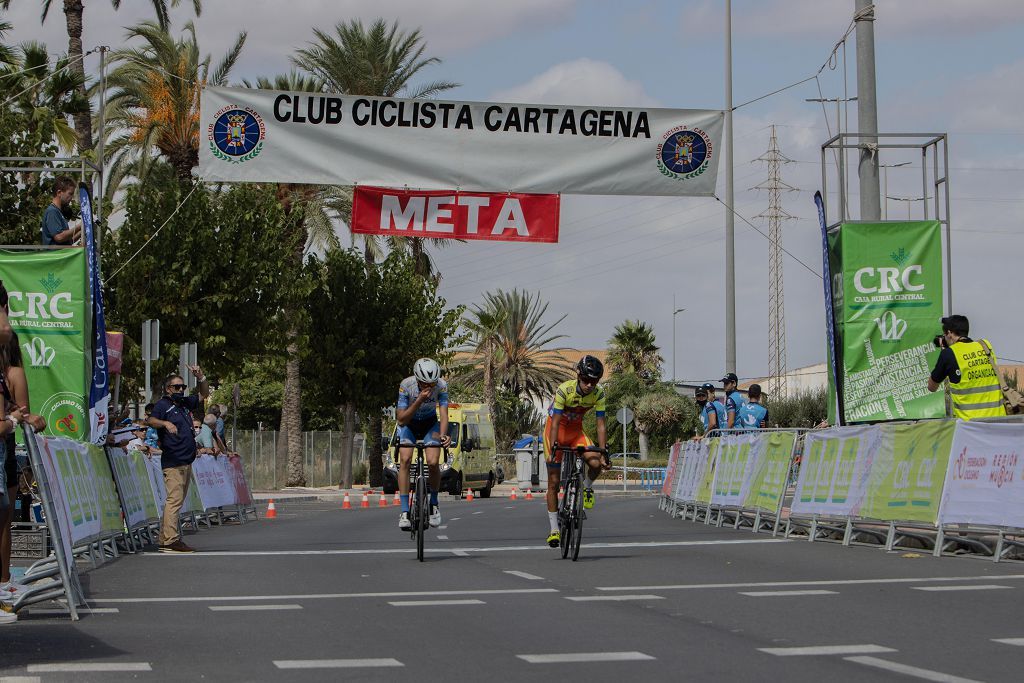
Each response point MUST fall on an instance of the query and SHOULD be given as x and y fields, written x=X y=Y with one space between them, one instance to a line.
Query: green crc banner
x=49 y=312
x=887 y=303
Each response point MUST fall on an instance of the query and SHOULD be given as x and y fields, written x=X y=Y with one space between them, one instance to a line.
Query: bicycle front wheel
x=565 y=525
x=422 y=520
x=577 y=522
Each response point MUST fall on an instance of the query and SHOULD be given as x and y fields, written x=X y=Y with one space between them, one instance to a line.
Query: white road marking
x=443 y=526
x=979 y=587
x=442 y=538
x=782 y=584
x=584 y=657
x=824 y=650
x=479 y=512
x=612 y=598
x=785 y=594
x=1009 y=641
x=480 y=549
x=67 y=667
x=434 y=603
x=81 y=610
x=329 y=596
x=250 y=608
x=335 y=663
x=20 y=679
x=460 y=553
x=524 y=575
x=454 y=519
x=907 y=670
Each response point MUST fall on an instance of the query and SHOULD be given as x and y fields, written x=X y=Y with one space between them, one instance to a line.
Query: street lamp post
x=674 y=314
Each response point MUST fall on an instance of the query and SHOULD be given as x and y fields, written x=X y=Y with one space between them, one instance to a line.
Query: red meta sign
x=440 y=214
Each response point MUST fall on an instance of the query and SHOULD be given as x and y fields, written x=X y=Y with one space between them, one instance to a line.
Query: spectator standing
x=219 y=427
x=152 y=438
x=56 y=230
x=970 y=368
x=752 y=415
x=708 y=414
x=172 y=418
x=732 y=398
x=718 y=405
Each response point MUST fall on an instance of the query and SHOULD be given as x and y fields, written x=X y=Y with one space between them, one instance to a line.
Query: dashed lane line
x=434 y=603
x=612 y=598
x=251 y=608
x=327 y=596
x=785 y=594
x=819 y=650
x=81 y=610
x=524 y=575
x=1009 y=641
x=906 y=670
x=585 y=657
x=979 y=587
x=335 y=663
x=88 y=667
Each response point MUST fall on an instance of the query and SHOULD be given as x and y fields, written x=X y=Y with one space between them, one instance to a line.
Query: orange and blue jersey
x=571 y=406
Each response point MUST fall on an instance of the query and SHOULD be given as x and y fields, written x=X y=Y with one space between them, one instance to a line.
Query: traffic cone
x=382 y=502
x=271 y=511
x=396 y=500
x=366 y=500
x=346 y=504
x=469 y=495
x=513 y=496
x=529 y=494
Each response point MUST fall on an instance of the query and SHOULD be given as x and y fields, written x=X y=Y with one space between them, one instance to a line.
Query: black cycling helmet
x=590 y=368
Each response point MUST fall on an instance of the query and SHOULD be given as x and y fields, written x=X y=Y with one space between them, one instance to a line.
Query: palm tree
x=632 y=349
x=7 y=56
x=155 y=100
x=73 y=12
x=378 y=61
x=509 y=346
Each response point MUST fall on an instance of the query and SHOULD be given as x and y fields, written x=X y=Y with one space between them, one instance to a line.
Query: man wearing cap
x=733 y=399
x=752 y=415
x=969 y=367
x=712 y=412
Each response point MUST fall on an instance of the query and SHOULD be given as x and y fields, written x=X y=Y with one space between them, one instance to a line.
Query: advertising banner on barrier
x=834 y=470
x=193 y=499
x=985 y=478
x=442 y=214
x=672 y=469
x=693 y=460
x=908 y=471
x=214 y=484
x=84 y=479
x=889 y=312
x=236 y=473
x=266 y=136
x=735 y=467
x=47 y=299
x=58 y=499
x=770 y=474
x=134 y=486
x=706 y=483
x=156 y=481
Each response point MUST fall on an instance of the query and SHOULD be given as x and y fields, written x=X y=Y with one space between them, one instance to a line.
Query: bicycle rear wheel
x=577 y=521
x=422 y=515
x=565 y=525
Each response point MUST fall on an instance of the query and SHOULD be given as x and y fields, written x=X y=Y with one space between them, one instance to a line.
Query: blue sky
x=942 y=65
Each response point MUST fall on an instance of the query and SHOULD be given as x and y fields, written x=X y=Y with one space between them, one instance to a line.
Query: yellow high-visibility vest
x=977 y=394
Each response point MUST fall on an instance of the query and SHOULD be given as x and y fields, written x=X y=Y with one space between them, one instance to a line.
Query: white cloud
x=582 y=81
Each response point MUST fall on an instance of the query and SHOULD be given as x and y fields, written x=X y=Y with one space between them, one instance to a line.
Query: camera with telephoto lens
x=940 y=341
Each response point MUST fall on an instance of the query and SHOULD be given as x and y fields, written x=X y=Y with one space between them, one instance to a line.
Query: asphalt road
x=322 y=593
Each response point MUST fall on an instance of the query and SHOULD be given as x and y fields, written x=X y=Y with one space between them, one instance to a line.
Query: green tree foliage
x=368 y=326
x=806 y=409
x=514 y=417
x=664 y=414
x=218 y=273
x=633 y=348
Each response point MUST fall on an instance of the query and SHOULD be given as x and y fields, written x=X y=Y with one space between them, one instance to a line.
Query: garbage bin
x=526 y=449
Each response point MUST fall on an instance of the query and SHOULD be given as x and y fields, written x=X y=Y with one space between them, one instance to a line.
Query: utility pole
x=776 y=299
x=867 y=112
x=730 y=224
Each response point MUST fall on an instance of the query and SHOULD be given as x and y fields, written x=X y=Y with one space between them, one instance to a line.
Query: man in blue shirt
x=752 y=415
x=709 y=408
x=733 y=399
x=56 y=230
x=172 y=418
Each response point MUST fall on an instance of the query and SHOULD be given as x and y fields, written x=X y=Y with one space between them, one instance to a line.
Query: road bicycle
x=570 y=510
x=419 y=500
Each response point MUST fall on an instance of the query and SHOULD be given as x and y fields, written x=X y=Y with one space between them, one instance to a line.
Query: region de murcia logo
x=684 y=153
x=236 y=134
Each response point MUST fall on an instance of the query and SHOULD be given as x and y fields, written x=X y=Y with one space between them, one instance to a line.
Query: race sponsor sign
x=137 y=497
x=770 y=473
x=668 y=486
x=213 y=482
x=834 y=470
x=236 y=475
x=47 y=300
x=889 y=289
x=706 y=483
x=694 y=461
x=443 y=214
x=908 y=471
x=735 y=468
x=985 y=478
x=82 y=473
x=255 y=135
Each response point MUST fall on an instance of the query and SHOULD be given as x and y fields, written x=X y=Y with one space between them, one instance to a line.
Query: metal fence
x=321 y=456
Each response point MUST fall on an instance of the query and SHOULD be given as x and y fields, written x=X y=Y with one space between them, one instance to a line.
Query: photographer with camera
x=970 y=367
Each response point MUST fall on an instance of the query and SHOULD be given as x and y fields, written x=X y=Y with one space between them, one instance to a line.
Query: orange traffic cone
x=346 y=504
x=513 y=496
x=469 y=494
x=396 y=500
x=382 y=502
x=529 y=494
x=271 y=510
x=366 y=500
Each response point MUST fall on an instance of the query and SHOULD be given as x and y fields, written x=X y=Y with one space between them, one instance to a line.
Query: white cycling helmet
x=427 y=370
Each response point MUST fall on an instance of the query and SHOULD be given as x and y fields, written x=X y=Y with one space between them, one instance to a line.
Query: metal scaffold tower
x=776 y=300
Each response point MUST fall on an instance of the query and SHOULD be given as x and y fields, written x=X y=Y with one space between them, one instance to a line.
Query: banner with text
x=255 y=135
x=137 y=496
x=888 y=315
x=706 y=483
x=215 y=483
x=770 y=473
x=694 y=460
x=735 y=469
x=985 y=477
x=82 y=474
x=834 y=470
x=47 y=299
x=440 y=214
x=675 y=455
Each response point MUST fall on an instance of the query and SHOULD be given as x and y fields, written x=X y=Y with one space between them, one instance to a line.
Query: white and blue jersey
x=751 y=416
x=733 y=403
x=721 y=411
x=424 y=421
x=705 y=415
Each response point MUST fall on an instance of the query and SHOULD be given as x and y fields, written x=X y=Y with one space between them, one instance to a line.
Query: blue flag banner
x=830 y=328
x=99 y=387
